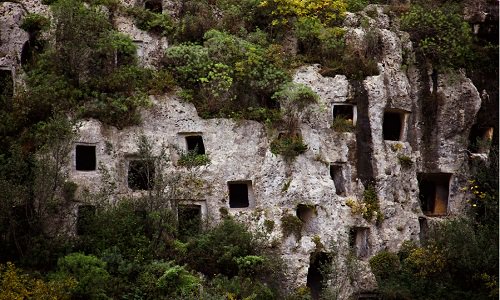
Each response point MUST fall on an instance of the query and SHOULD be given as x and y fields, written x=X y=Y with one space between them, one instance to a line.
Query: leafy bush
x=34 y=23
x=164 y=280
x=288 y=146
x=89 y=271
x=79 y=72
x=341 y=124
x=291 y=224
x=368 y=208
x=227 y=75
x=216 y=251
x=240 y=288
x=193 y=159
x=285 y=11
x=119 y=227
x=440 y=35
x=457 y=259
x=153 y=22
x=15 y=284
x=384 y=264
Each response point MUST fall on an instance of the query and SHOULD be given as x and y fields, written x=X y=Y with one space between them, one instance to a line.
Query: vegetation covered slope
x=235 y=65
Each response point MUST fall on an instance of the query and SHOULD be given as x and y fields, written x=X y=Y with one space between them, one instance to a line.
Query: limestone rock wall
x=437 y=112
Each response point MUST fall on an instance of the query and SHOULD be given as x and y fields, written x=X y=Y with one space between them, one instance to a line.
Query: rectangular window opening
x=189 y=220
x=319 y=262
x=239 y=194
x=359 y=241
x=338 y=179
x=85 y=157
x=480 y=139
x=393 y=125
x=433 y=193
x=345 y=111
x=195 y=144
x=305 y=212
x=84 y=219
x=155 y=6
x=141 y=174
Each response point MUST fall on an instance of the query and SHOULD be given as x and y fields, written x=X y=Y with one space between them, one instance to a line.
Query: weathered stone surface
x=239 y=150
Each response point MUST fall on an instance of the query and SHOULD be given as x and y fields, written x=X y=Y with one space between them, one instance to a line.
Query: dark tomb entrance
x=85 y=157
x=343 y=111
x=154 y=6
x=480 y=139
x=189 y=220
x=195 y=144
x=359 y=241
x=238 y=194
x=319 y=266
x=305 y=212
x=338 y=179
x=433 y=193
x=141 y=174
x=392 y=126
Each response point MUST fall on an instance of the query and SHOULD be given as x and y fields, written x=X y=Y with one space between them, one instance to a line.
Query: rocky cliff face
x=411 y=125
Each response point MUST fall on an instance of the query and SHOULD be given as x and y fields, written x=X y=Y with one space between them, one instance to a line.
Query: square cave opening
x=194 y=143
x=85 y=157
x=480 y=139
x=359 y=241
x=305 y=212
x=189 y=220
x=141 y=174
x=433 y=193
x=240 y=194
x=345 y=111
x=318 y=263
x=392 y=127
x=84 y=218
x=6 y=84
x=338 y=178
x=155 y=6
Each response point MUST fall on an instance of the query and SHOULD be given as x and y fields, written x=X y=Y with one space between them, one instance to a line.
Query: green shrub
x=153 y=22
x=215 y=251
x=166 y=280
x=287 y=146
x=119 y=227
x=239 y=288
x=341 y=124
x=193 y=159
x=291 y=224
x=16 y=284
x=33 y=23
x=227 y=77
x=385 y=264
x=356 y=5
x=89 y=271
x=250 y=265
x=372 y=206
x=440 y=35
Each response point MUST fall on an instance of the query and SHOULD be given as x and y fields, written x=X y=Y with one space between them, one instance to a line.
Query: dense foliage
x=231 y=59
x=458 y=258
x=441 y=35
